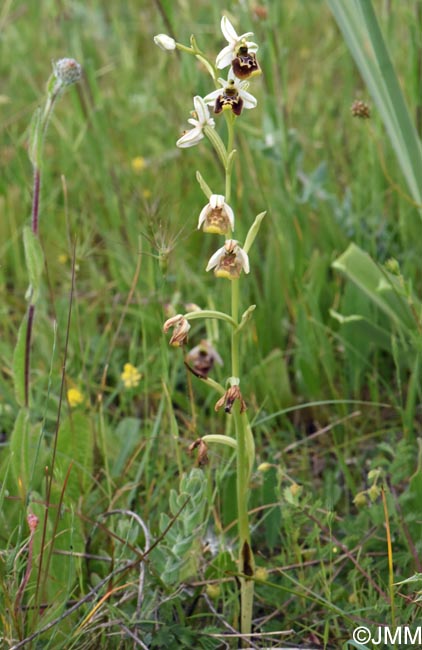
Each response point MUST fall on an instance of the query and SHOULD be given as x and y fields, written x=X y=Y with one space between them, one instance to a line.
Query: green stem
x=211 y=313
x=244 y=439
x=230 y=141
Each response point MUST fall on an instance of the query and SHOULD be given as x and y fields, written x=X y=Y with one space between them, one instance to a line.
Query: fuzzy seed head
x=67 y=71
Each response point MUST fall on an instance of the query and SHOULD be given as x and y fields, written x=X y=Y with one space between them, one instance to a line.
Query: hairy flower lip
x=229 y=52
x=232 y=90
x=202 y=119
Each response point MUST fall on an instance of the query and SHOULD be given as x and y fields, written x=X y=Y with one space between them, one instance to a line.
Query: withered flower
x=202 y=451
x=181 y=329
x=230 y=396
x=202 y=358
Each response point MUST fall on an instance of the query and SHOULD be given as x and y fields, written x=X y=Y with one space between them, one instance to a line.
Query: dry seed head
x=360 y=109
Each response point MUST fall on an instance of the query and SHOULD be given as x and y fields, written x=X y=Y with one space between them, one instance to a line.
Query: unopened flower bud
x=164 y=42
x=374 y=492
x=213 y=591
x=261 y=573
x=360 y=500
x=32 y=521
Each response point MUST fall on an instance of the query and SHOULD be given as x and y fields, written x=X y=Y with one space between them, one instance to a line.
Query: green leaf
x=19 y=450
x=34 y=258
x=75 y=447
x=19 y=362
x=203 y=185
x=381 y=287
x=253 y=231
x=35 y=138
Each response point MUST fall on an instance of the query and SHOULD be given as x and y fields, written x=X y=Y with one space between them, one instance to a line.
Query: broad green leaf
x=75 y=447
x=381 y=288
x=19 y=362
x=21 y=459
x=34 y=258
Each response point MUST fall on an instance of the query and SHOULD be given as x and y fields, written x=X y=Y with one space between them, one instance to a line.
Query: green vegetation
x=111 y=534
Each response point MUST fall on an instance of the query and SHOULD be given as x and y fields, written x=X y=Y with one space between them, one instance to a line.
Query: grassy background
x=330 y=402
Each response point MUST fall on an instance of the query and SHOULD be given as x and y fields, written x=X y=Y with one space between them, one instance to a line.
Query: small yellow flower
x=146 y=194
x=62 y=258
x=138 y=164
x=130 y=376
x=74 y=397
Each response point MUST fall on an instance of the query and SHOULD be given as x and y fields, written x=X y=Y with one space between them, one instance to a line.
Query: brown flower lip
x=202 y=358
x=245 y=65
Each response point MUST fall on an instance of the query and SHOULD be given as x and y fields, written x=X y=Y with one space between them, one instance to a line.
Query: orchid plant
x=230 y=261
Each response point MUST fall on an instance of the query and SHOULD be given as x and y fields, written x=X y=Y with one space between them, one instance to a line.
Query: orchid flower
x=217 y=216
x=235 y=42
x=201 y=119
x=232 y=96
